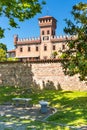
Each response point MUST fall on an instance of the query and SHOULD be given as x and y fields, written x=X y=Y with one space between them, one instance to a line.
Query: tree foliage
x=54 y=54
x=18 y=10
x=3 y=51
x=3 y=46
x=12 y=59
x=2 y=55
x=76 y=55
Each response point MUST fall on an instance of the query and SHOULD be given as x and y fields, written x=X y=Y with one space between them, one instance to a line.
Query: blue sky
x=60 y=9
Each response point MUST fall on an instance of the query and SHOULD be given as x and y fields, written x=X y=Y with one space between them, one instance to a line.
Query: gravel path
x=22 y=113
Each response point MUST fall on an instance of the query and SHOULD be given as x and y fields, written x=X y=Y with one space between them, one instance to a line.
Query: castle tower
x=47 y=30
x=47 y=27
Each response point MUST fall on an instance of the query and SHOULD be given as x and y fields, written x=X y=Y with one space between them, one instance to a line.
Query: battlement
x=63 y=38
x=28 y=40
x=36 y=40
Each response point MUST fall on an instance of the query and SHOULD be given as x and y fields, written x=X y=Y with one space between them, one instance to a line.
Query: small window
x=54 y=48
x=36 y=48
x=42 y=32
x=21 y=49
x=45 y=48
x=29 y=49
x=45 y=38
x=48 y=32
x=63 y=47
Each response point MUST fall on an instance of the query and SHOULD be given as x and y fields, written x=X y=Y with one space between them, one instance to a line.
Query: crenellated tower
x=47 y=27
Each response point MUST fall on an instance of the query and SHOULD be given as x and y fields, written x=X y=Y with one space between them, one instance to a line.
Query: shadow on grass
x=71 y=106
x=17 y=123
x=71 y=110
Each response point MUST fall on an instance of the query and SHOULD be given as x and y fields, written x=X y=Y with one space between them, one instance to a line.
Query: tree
x=3 y=46
x=2 y=55
x=3 y=51
x=54 y=54
x=18 y=10
x=75 y=57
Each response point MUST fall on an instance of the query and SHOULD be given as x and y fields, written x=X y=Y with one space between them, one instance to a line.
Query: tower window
x=48 y=32
x=45 y=38
x=36 y=48
x=29 y=49
x=45 y=48
x=42 y=32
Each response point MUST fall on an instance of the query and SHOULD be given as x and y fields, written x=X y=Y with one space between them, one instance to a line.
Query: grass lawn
x=33 y=125
x=71 y=106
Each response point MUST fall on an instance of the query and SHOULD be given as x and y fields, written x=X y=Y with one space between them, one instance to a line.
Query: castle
x=46 y=46
x=42 y=68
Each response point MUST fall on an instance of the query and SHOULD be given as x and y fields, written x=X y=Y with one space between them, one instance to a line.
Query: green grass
x=38 y=125
x=71 y=106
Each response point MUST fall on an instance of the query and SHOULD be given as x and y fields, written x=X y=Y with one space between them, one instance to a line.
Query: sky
x=59 y=9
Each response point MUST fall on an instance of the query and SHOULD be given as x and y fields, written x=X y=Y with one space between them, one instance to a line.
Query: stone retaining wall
x=45 y=74
x=15 y=73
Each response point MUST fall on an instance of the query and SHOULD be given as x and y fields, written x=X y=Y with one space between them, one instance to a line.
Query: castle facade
x=46 y=46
